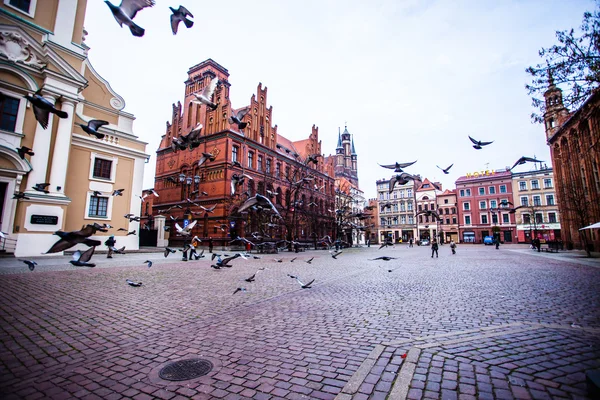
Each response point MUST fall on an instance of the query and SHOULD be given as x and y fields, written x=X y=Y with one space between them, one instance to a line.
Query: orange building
x=271 y=162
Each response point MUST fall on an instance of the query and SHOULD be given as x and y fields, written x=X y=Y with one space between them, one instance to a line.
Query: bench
x=553 y=247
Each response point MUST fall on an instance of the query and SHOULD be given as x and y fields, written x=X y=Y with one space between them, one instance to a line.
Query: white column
x=65 y=22
x=41 y=148
x=62 y=144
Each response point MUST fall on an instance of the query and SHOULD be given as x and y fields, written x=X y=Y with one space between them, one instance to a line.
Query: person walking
x=410 y=243
x=497 y=243
x=210 y=244
x=434 y=248
x=453 y=246
x=110 y=243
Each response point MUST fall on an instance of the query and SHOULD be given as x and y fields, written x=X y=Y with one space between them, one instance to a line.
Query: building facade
x=42 y=49
x=345 y=160
x=483 y=208
x=538 y=217
x=426 y=194
x=273 y=166
x=396 y=211
x=447 y=209
x=574 y=140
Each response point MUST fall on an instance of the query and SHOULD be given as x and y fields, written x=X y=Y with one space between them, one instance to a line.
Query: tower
x=555 y=109
x=346 y=165
x=339 y=153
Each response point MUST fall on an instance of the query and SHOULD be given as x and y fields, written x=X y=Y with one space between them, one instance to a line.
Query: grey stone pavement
x=484 y=323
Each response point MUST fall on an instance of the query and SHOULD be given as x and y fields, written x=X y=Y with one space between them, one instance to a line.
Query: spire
x=339 y=143
x=353 y=151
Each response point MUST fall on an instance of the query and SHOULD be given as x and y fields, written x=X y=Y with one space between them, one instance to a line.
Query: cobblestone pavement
x=484 y=323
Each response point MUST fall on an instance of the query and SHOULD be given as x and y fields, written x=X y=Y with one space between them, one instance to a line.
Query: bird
x=398 y=167
x=122 y=230
x=20 y=196
x=41 y=187
x=336 y=253
x=118 y=192
x=186 y=231
x=514 y=210
x=92 y=127
x=236 y=118
x=180 y=15
x=43 y=107
x=523 y=160
x=151 y=192
x=149 y=263
x=70 y=239
x=132 y=283
x=24 y=150
x=236 y=164
x=168 y=251
x=384 y=258
x=445 y=170
x=261 y=201
x=131 y=233
x=225 y=261
x=505 y=203
x=199 y=256
x=206 y=157
x=312 y=158
x=80 y=259
x=478 y=144
x=400 y=179
x=309 y=261
x=30 y=264
x=97 y=193
x=205 y=96
x=304 y=285
x=251 y=279
x=240 y=289
x=126 y=11
x=293 y=259
x=238 y=180
x=278 y=260
x=385 y=244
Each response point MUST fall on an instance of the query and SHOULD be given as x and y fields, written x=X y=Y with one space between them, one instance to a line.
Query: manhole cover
x=185 y=369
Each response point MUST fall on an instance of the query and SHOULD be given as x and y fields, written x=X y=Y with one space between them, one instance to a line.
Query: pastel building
x=447 y=209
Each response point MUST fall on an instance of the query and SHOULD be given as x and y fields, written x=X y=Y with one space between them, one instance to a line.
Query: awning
x=593 y=226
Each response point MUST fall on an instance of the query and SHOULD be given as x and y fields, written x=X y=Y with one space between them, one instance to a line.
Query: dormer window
x=24 y=6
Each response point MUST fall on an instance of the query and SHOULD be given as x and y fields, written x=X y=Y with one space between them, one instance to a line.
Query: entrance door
x=507 y=237
x=3 y=187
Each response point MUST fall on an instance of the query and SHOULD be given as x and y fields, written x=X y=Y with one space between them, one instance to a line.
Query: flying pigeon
x=384 y=258
x=81 y=259
x=178 y=16
x=92 y=127
x=205 y=157
x=236 y=118
x=312 y=158
x=30 y=264
x=131 y=233
x=261 y=201
x=125 y=13
x=118 y=251
x=20 y=196
x=336 y=253
x=238 y=180
x=478 y=144
x=149 y=263
x=41 y=187
x=446 y=169
x=43 y=107
x=293 y=259
x=523 y=160
x=187 y=230
x=97 y=193
x=168 y=251
x=400 y=179
x=309 y=261
x=118 y=192
x=385 y=244
x=251 y=279
x=304 y=285
x=122 y=230
x=70 y=239
x=225 y=261
x=240 y=289
x=132 y=283
x=398 y=167
x=24 y=150
x=205 y=96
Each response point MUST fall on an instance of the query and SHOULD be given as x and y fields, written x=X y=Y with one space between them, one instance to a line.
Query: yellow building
x=42 y=47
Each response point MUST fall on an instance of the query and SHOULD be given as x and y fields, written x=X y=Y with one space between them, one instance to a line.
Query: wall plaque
x=44 y=219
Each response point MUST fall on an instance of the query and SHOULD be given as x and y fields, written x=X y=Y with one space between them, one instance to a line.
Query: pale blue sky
x=412 y=78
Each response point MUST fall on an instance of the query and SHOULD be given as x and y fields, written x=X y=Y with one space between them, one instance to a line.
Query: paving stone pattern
x=485 y=323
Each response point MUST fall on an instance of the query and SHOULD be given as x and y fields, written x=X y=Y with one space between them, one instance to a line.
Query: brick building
x=426 y=193
x=448 y=211
x=480 y=210
x=272 y=161
x=345 y=160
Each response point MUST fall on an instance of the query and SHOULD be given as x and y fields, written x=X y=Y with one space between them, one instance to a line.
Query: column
x=65 y=22
x=41 y=148
x=62 y=144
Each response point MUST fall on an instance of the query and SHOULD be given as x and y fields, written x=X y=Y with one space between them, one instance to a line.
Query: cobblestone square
x=484 y=323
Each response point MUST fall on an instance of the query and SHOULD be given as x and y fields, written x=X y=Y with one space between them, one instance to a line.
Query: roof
x=573 y=117
x=339 y=143
x=484 y=176
x=448 y=193
x=353 y=151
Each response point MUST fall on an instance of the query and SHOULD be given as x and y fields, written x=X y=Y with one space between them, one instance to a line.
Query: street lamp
x=181 y=178
x=188 y=180
x=196 y=179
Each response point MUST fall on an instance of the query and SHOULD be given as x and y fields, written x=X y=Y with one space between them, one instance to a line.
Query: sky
x=411 y=79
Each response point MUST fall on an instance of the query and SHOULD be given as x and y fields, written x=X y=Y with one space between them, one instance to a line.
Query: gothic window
x=189 y=114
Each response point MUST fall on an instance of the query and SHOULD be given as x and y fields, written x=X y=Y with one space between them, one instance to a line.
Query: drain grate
x=185 y=369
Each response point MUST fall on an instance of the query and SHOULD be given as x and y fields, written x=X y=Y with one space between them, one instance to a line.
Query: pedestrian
x=248 y=247
x=410 y=243
x=210 y=244
x=453 y=246
x=110 y=243
x=195 y=243
x=538 y=244
x=368 y=242
x=434 y=248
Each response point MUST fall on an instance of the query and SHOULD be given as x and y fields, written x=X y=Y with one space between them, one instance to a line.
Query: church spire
x=339 y=143
x=353 y=151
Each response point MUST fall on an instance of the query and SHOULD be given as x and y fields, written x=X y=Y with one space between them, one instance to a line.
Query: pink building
x=481 y=212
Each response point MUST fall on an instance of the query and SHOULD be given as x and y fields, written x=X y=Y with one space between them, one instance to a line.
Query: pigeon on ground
x=43 y=107
x=261 y=201
x=293 y=259
x=445 y=169
x=30 y=264
x=23 y=150
x=278 y=260
x=251 y=279
x=523 y=160
x=384 y=258
x=205 y=96
x=236 y=118
x=92 y=127
x=80 y=259
x=168 y=251
x=149 y=263
x=132 y=283
x=20 y=196
x=70 y=239
x=118 y=192
x=304 y=285
x=125 y=13
x=240 y=289
x=398 y=167
x=178 y=16
x=478 y=144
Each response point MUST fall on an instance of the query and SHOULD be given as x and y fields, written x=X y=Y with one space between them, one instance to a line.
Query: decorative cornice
x=95 y=144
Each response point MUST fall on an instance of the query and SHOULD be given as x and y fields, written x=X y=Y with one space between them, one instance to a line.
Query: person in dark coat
x=410 y=243
x=453 y=246
x=110 y=243
x=497 y=244
x=210 y=245
x=434 y=248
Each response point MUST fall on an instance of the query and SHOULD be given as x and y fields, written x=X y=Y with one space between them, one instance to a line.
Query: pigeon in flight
x=225 y=261
x=80 y=259
x=261 y=201
x=125 y=13
x=20 y=196
x=400 y=179
x=523 y=160
x=312 y=158
x=205 y=157
x=122 y=230
x=24 y=150
x=293 y=259
x=384 y=258
x=238 y=180
x=309 y=261
x=478 y=144
x=304 y=285
x=187 y=230
x=236 y=118
x=70 y=239
x=149 y=263
x=398 y=167
x=92 y=127
x=385 y=244
x=251 y=279
x=43 y=107
x=506 y=203
x=240 y=289
x=132 y=283
x=30 y=264
x=445 y=169
x=41 y=187
x=178 y=16
x=205 y=96
x=335 y=254
x=131 y=233
x=118 y=192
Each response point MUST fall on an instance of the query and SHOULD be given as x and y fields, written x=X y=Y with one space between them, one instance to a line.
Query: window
x=551 y=217
x=278 y=170
x=547 y=183
x=522 y=185
x=524 y=201
x=250 y=159
x=505 y=218
x=411 y=220
x=234 y=153
x=468 y=192
x=402 y=194
x=502 y=188
x=268 y=167
x=102 y=168
x=445 y=201
x=482 y=204
x=494 y=218
x=26 y=6
x=526 y=219
x=98 y=206
x=402 y=206
x=403 y=219
x=539 y=218
x=447 y=221
x=492 y=190
x=408 y=192
x=259 y=163
x=535 y=184
x=420 y=219
x=462 y=193
x=380 y=195
x=466 y=206
x=467 y=220
x=537 y=201
x=550 y=199
x=420 y=207
x=481 y=191
x=410 y=206
x=453 y=210
x=454 y=220
x=9 y=108
x=493 y=204
x=394 y=194
x=484 y=219
x=425 y=205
